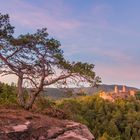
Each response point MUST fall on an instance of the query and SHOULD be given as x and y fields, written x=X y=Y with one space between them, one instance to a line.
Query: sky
x=103 y=32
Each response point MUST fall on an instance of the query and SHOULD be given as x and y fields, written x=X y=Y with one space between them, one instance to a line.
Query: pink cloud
x=8 y=79
x=119 y=74
x=34 y=17
x=116 y=55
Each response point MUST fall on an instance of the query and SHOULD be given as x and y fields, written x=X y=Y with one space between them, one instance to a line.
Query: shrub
x=7 y=94
x=42 y=103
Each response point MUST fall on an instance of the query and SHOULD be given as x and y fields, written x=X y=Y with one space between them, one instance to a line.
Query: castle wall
x=123 y=94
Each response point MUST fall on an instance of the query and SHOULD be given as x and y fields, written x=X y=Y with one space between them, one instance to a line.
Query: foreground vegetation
x=106 y=120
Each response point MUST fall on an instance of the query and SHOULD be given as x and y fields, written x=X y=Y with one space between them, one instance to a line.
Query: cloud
x=119 y=74
x=8 y=79
x=101 y=17
x=29 y=16
x=113 y=54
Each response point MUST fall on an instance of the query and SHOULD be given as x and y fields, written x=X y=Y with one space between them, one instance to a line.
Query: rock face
x=23 y=125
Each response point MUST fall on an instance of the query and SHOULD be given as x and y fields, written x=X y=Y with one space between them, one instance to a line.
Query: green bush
x=138 y=95
x=42 y=103
x=7 y=94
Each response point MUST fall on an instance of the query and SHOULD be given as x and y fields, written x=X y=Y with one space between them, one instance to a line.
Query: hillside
x=58 y=93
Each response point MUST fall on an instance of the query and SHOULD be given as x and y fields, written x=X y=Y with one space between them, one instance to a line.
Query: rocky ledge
x=24 y=125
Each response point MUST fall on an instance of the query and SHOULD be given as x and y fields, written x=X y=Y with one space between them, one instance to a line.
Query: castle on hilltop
x=117 y=94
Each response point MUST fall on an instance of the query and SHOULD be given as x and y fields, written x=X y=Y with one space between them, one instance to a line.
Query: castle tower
x=132 y=93
x=124 y=89
x=116 y=89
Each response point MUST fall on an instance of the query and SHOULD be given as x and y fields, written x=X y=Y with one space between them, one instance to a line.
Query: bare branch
x=61 y=77
x=30 y=79
x=12 y=67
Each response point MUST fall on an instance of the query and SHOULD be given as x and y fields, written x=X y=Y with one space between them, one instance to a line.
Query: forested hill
x=57 y=93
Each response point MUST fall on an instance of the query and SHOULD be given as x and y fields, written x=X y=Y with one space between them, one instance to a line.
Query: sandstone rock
x=54 y=132
x=76 y=131
x=71 y=136
x=41 y=128
x=21 y=127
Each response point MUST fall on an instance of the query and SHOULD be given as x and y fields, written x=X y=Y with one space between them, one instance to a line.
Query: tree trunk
x=20 y=94
x=31 y=101
x=35 y=94
x=32 y=98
